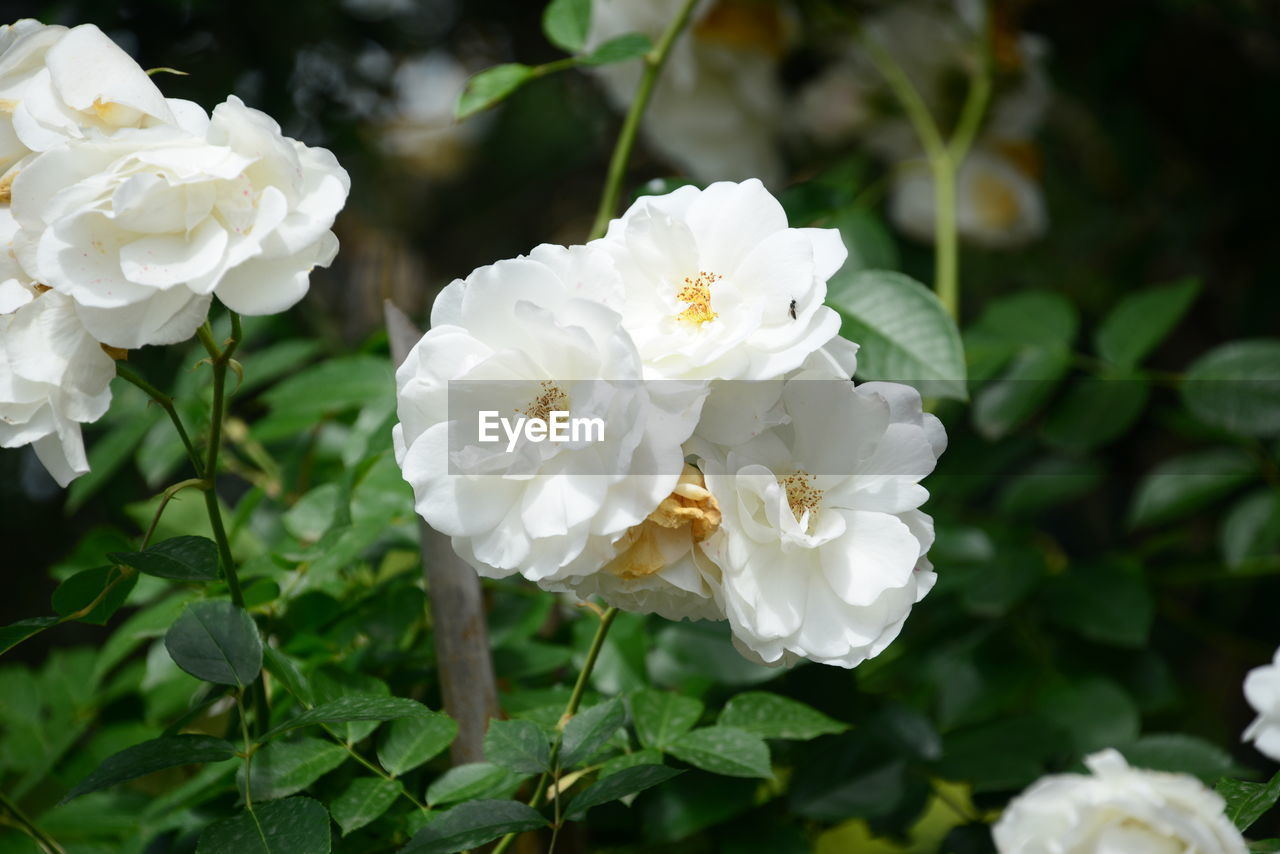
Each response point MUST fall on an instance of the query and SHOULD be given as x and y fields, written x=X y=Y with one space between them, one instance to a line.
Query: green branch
x=653 y=62
x=575 y=700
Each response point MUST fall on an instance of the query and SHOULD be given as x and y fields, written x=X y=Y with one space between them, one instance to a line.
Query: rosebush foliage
x=1108 y=508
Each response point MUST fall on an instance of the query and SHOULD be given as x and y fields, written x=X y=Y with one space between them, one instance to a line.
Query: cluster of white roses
x=742 y=474
x=720 y=109
x=122 y=213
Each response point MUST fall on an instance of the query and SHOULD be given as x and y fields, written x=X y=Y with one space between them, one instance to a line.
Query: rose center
x=802 y=496
x=550 y=399
x=696 y=293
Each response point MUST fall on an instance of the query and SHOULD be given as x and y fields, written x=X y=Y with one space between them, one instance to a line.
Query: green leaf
x=724 y=750
x=180 y=558
x=490 y=87
x=1246 y=802
x=519 y=745
x=333 y=386
x=329 y=685
x=1095 y=411
x=355 y=708
x=905 y=333
x=472 y=824
x=565 y=23
x=281 y=358
x=661 y=717
x=216 y=642
x=589 y=730
x=150 y=756
x=1143 y=319
x=619 y=49
x=470 y=782
x=1007 y=403
x=628 y=781
x=1185 y=484
x=1108 y=603
x=15 y=633
x=1047 y=483
x=771 y=716
x=409 y=742
x=1177 y=753
x=1237 y=387
x=283 y=668
x=644 y=756
x=363 y=801
x=282 y=768
x=82 y=589
x=1095 y=712
x=868 y=240
x=1030 y=319
x=1251 y=531
x=292 y=826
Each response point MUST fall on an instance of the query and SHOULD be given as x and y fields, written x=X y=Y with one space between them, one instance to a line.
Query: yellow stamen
x=802 y=496
x=697 y=293
x=551 y=399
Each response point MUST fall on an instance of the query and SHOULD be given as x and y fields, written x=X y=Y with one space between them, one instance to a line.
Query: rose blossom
x=1117 y=809
x=717 y=286
x=529 y=336
x=142 y=227
x=59 y=84
x=53 y=377
x=1262 y=690
x=822 y=545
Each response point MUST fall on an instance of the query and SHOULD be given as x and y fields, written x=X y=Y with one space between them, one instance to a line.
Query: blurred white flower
x=53 y=377
x=998 y=204
x=717 y=286
x=1117 y=809
x=529 y=336
x=58 y=84
x=422 y=130
x=140 y=228
x=822 y=545
x=716 y=109
x=1262 y=690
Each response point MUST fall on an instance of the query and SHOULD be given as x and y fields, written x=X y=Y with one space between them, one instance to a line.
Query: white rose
x=659 y=567
x=1117 y=810
x=53 y=377
x=140 y=228
x=716 y=107
x=537 y=327
x=822 y=546
x=1262 y=690
x=58 y=84
x=717 y=286
x=998 y=205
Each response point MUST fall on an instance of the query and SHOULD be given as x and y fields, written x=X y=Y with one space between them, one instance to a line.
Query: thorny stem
x=575 y=700
x=165 y=498
x=166 y=403
x=218 y=359
x=653 y=62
